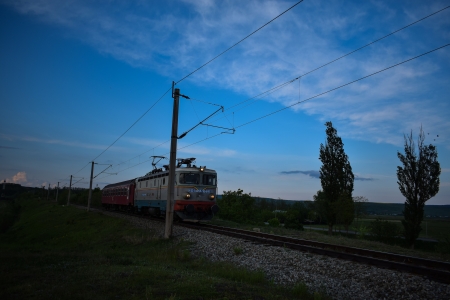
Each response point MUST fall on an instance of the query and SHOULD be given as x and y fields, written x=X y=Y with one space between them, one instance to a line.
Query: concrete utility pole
x=90 y=187
x=57 y=190
x=172 y=166
x=70 y=187
x=48 y=191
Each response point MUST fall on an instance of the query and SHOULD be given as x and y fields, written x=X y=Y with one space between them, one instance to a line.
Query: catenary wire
x=285 y=83
x=211 y=60
x=229 y=48
x=341 y=86
x=133 y=123
x=335 y=60
x=274 y=88
x=308 y=99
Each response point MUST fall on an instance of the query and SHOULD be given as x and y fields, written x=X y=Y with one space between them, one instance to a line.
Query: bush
x=236 y=206
x=293 y=220
x=9 y=213
x=274 y=222
x=383 y=230
x=281 y=216
x=266 y=215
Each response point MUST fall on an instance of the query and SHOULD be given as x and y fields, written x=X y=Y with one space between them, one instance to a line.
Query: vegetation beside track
x=55 y=251
x=430 y=250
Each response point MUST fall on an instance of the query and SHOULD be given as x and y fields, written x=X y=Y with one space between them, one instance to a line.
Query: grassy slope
x=56 y=252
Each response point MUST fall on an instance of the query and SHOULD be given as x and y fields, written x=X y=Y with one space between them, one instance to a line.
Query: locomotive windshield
x=189 y=178
x=209 y=179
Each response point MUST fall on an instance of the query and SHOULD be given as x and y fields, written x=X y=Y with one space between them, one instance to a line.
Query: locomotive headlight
x=187 y=196
x=211 y=196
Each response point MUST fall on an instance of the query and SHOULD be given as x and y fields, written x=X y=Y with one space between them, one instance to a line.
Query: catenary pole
x=173 y=157
x=90 y=187
x=70 y=187
x=48 y=191
x=57 y=190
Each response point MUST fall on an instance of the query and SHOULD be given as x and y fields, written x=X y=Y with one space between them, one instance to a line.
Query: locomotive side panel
x=151 y=193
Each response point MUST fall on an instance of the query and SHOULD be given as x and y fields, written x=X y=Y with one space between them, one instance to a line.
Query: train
x=195 y=192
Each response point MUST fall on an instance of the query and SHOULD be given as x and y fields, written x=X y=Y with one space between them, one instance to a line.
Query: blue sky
x=75 y=75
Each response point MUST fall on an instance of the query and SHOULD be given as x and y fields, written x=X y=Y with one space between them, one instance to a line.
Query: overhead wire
x=333 y=61
x=341 y=86
x=133 y=123
x=283 y=84
x=235 y=44
x=191 y=73
x=310 y=98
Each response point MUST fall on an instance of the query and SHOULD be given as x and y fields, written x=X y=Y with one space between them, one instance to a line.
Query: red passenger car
x=119 y=194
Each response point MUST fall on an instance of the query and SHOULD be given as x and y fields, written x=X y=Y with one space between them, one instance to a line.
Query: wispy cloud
x=6 y=147
x=379 y=109
x=52 y=141
x=310 y=173
x=364 y=178
x=316 y=174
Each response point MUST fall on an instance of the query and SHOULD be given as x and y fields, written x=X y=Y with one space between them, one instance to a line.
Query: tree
x=418 y=181
x=345 y=210
x=360 y=202
x=236 y=206
x=320 y=206
x=336 y=174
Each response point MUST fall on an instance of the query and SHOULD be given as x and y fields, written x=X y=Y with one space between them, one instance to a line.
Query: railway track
x=434 y=270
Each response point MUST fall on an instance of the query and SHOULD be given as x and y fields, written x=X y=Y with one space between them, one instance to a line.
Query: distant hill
x=431 y=211
x=371 y=208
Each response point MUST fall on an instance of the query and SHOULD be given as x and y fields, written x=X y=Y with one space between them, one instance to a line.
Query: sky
x=84 y=81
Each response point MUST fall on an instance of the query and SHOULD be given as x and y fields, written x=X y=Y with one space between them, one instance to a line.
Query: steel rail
x=434 y=270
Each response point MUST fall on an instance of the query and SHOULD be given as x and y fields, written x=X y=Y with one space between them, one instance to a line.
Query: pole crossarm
x=201 y=122
x=109 y=166
x=229 y=129
x=77 y=181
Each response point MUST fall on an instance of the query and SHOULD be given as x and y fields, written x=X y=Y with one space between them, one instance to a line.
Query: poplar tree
x=418 y=181
x=336 y=174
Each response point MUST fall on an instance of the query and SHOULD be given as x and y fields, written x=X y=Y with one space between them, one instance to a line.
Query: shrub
x=266 y=215
x=293 y=220
x=9 y=213
x=237 y=250
x=274 y=222
x=384 y=230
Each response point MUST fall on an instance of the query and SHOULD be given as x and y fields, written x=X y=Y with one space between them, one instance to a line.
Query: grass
x=62 y=252
x=435 y=251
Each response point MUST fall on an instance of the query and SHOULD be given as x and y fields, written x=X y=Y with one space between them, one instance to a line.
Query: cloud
x=237 y=170
x=55 y=142
x=5 y=147
x=364 y=178
x=316 y=174
x=20 y=177
x=378 y=109
x=310 y=173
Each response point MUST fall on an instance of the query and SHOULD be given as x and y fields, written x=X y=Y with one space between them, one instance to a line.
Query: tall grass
x=55 y=251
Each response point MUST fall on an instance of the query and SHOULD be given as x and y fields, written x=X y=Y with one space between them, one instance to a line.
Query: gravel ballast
x=339 y=279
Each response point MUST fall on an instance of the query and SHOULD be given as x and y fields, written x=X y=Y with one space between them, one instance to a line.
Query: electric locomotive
x=195 y=192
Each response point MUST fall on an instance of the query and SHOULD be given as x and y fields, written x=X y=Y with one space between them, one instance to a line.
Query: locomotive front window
x=189 y=178
x=209 y=179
